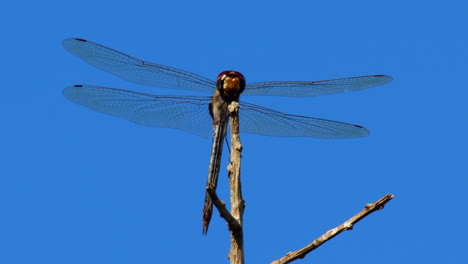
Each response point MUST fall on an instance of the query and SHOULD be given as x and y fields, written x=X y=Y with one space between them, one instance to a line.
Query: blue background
x=77 y=186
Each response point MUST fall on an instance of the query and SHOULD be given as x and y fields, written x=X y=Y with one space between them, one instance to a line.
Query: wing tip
x=70 y=42
x=73 y=86
x=69 y=91
x=355 y=131
x=363 y=132
x=386 y=78
x=75 y=39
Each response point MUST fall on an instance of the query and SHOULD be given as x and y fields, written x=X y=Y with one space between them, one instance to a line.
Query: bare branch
x=348 y=225
x=221 y=206
x=236 y=254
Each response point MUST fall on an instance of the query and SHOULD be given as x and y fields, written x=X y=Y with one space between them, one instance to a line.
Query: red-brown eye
x=240 y=75
x=231 y=74
x=224 y=73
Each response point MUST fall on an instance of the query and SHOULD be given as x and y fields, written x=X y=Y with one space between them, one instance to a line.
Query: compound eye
x=231 y=74
x=223 y=75
x=239 y=75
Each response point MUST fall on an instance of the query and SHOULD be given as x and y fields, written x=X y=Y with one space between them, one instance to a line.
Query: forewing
x=136 y=70
x=259 y=120
x=189 y=113
x=314 y=88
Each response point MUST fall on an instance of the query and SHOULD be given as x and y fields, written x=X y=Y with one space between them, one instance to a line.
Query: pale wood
x=234 y=218
x=221 y=206
x=348 y=225
x=236 y=254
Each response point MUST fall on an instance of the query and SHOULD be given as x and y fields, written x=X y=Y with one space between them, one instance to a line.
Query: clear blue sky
x=77 y=186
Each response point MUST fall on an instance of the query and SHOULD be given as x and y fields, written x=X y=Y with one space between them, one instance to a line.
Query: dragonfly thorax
x=230 y=84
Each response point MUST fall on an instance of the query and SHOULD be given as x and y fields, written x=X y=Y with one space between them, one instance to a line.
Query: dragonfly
x=206 y=115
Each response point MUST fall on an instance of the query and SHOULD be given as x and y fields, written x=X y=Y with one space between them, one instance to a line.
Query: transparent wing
x=136 y=70
x=189 y=113
x=259 y=120
x=314 y=88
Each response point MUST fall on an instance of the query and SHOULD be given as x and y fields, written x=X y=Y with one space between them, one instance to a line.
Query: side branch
x=223 y=212
x=348 y=225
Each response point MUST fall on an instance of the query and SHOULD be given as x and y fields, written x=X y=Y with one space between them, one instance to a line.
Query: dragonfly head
x=230 y=84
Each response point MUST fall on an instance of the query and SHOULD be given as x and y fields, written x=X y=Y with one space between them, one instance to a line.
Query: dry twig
x=348 y=225
x=236 y=254
x=221 y=206
x=234 y=218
